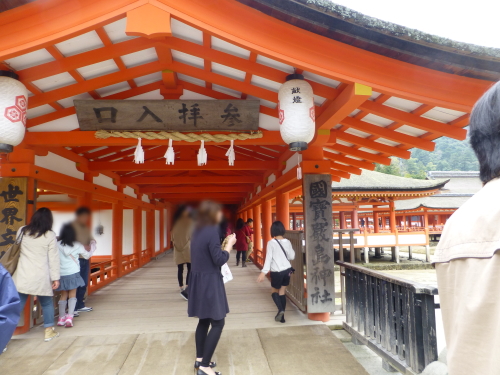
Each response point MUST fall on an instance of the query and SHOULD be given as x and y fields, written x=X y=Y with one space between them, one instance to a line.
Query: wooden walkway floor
x=140 y=326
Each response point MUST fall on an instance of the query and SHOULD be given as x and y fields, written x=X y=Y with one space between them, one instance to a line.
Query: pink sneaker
x=69 y=321
x=62 y=320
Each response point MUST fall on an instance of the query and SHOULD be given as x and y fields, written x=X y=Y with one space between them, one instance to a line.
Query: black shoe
x=237 y=263
x=198 y=364
x=201 y=372
x=279 y=316
x=283 y=304
x=244 y=265
x=184 y=295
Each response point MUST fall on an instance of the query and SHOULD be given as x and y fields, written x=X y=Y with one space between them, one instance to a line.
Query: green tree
x=449 y=155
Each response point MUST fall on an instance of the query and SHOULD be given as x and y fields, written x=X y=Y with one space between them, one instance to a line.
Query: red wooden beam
x=182 y=166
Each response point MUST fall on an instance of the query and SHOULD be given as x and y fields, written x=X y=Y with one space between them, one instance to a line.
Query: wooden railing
x=106 y=273
x=129 y=263
x=394 y=317
x=296 y=291
x=145 y=256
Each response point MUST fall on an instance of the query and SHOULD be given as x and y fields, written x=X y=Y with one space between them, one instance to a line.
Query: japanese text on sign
x=319 y=247
x=12 y=210
x=175 y=115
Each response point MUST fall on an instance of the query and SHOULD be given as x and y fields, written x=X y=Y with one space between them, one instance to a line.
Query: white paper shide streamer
x=299 y=168
x=170 y=154
x=202 y=155
x=230 y=154
x=139 y=153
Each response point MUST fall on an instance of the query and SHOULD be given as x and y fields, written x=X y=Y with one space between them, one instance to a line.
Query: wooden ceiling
x=371 y=106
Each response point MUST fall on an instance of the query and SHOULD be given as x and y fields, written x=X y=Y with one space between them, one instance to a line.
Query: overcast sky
x=470 y=21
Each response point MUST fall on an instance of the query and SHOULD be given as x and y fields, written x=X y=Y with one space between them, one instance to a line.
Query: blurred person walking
x=181 y=238
x=37 y=272
x=207 y=294
x=83 y=236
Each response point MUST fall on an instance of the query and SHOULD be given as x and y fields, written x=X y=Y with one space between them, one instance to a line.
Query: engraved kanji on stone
x=318 y=189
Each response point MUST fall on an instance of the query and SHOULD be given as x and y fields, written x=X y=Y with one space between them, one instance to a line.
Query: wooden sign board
x=319 y=243
x=13 y=200
x=168 y=115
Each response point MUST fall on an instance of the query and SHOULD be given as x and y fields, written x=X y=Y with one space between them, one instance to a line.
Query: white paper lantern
x=296 y=112
x=13 y=107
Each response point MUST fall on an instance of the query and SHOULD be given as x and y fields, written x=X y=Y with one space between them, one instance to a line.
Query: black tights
x=206 y=342
x=180 y=272
x=242 y=254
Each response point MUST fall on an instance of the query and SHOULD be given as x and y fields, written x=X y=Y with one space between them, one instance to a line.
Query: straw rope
x=177 y=136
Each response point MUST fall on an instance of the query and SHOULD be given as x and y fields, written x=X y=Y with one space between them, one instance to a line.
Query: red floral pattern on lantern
x=312 y=113
x=17 y=112
x=281 y=114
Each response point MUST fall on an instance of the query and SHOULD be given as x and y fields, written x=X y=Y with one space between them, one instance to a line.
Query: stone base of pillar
x=355 y=341
x=410 y=252
x=387 y=367
x=395 y=254
x=319 y=317
x=358 y=251
x=378 y=253
x=427 y=253
x=366 y=255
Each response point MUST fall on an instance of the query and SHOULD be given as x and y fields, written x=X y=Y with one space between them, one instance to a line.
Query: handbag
x=10 y=258
x=292 y=270
x=226 y=273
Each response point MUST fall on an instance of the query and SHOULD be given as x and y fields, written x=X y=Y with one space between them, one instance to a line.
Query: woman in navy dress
x=207 y=295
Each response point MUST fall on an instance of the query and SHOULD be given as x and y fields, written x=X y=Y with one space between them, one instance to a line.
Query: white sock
x=62 y=308
x=71 y=306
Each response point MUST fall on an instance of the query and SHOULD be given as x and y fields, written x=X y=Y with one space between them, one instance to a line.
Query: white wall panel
x=58 y=164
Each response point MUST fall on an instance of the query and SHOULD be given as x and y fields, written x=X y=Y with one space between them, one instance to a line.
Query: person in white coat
x=37 y=272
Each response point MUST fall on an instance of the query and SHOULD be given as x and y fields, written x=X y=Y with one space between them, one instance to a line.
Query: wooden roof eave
x=273 y=38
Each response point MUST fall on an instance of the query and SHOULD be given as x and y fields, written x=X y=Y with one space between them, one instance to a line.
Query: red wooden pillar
x=283 y=209
x=250 y=214
x=266 y=225
x=257 y=231
x=117 y=237
x=343 y=224
x=376 y=226
x=392 y=217
x=150 y=234
x=354 y=219
x=137 y=235
x=86 y=199
x=162 y=230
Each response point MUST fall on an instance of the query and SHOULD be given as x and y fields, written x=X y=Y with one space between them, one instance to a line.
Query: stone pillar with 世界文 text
x=14 y=170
